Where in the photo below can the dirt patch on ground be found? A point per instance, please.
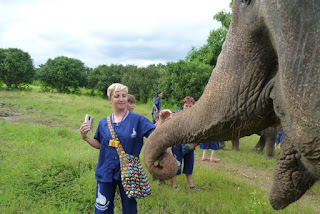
(253, 176)
(9, 112)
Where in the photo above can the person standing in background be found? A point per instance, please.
(180, 155)
(131, 102)
(156, 105)
(279, 139)
(213, 146)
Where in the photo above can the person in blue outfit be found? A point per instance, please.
(279, 138)
(177, 151)
(130, 128)
(213, 146)
(156, 105)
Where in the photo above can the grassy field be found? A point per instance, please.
(45, 167)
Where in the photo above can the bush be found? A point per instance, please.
(16, 67)
(103, 76)
(142, 82)
(63, 74)
(182, 78)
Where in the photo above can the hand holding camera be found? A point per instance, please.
(86, 126)
(89, 120)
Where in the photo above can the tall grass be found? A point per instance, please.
(45, 167)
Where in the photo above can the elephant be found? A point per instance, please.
(267, 140)
(235, 144)
(266, 74)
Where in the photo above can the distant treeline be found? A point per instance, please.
(67, 75)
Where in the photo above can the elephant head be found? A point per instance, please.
(267, 73)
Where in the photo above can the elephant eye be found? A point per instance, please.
(245, 2)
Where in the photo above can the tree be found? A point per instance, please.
(103, 76)
(209, 52)
(182, 78)
(64, 74)
(142, 82)
(95, 76)
(16, 67)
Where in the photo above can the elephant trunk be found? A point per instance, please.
(291, 179)
(157, 154)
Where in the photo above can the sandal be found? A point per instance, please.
(195, 188)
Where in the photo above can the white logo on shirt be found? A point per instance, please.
(134, 133)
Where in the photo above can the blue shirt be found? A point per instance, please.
(157, 103)
(177, 111)
(130, 133)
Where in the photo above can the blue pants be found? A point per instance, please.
(213, 145)
(105, 193)
(188, 160)
(279, 137)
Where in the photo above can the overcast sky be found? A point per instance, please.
(139, 32)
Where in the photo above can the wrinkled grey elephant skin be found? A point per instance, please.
(267, 74)
(267, 140)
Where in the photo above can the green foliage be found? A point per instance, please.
(63, 74)
(189, 77)
(142, 82)
(182, 78)
(103, 76)
(224, 18)
(16, 67)
(210, 51)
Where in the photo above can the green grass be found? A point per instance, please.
(45, 167)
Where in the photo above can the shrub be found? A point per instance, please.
(63, 74)
(16, 67)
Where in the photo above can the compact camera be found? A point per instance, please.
(89, 120)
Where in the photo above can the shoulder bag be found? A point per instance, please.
(133, 177)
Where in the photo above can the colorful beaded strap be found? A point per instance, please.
(120, 149)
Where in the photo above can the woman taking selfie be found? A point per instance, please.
(130, 128)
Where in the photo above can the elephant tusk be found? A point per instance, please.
(156, 163)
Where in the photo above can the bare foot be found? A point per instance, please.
(214, 160)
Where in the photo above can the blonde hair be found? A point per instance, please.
(114, 88)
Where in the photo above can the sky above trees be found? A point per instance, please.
(100, 32)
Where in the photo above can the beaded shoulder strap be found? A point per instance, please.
(113, 134)
(119, 148)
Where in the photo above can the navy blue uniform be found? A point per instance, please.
(130, 133)
(157, 103)
(213, 145)
(188, 159)
(279, 137)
